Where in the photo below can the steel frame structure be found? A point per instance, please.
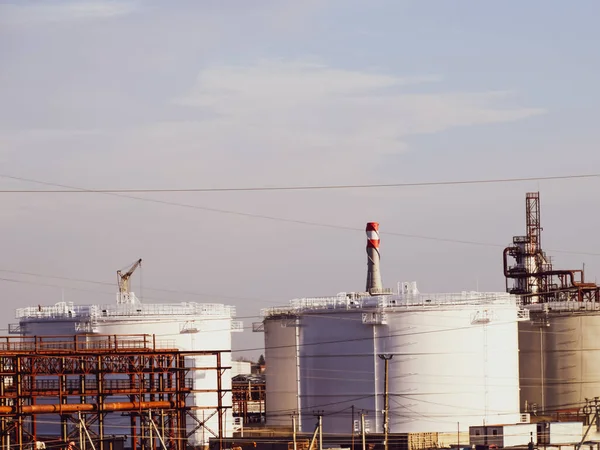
(82, 379)
(249, 399)
(532, 274)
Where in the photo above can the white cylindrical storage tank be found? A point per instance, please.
(281, 373)
(454, 360)
(337, 370)
(560, 357)
(183, 326)
(453, 364)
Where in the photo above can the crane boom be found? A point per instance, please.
(123, 280)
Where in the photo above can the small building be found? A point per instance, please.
(559, 433)
(500, 436)
(240, 368)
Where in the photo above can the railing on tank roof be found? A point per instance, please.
(67, 310)
(458, 298)
(340, 301)
(61, 309)
(564, 306)
(166, 309)
(277, 311)
(391, 301)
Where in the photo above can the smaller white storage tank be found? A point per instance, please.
(185, 326)
(281, 373)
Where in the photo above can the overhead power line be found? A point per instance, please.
(105, 283)
(72, 190)
(287, 220)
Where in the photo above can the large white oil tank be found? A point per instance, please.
(454, 360)
(185, 326)
(559, 356)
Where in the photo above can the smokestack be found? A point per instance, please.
(373, 275)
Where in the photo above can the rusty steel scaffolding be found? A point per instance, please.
(249, 398)
(83, 379)
(532, 276)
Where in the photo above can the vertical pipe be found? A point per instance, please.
(298, 377)
(19, 401)
(542, 371)
(162, 422)
(62, 395)
(220, 399)
(33, 393)
(143, 432)
(19, 430)
(374, 284)
(100, 399)
(386, 403)
(82, 390)
(3, 420)
(180, 396)
(133, 430)
(352, 445)
(151, 376)
(133, 420)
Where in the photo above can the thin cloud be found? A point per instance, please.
(297, 121)
(43, 12)
(309, 118)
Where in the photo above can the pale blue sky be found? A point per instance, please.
(225, 94)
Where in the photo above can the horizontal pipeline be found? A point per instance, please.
(85, 407)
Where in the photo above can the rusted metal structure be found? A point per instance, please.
(82, 380)
(532, 275)
(249, 398)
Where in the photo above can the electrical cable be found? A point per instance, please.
(70, 189)
(105, 283)
(292, 221)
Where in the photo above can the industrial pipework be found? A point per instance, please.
(532, 273)
(94, 380)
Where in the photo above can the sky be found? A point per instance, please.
(213, 94)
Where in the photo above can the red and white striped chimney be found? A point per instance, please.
(373, 274)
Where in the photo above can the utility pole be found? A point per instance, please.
(362, 430)
(150, 430)
(352, 447)
(594, 410)
(158, 434)
(386, 401)
(320, 431)
(81, 441)
(294, 430)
